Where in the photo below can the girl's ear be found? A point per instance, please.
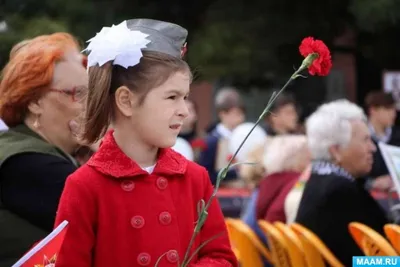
(124, 100)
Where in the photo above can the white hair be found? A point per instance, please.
(330, 125)
(284, 152)
(256, 138)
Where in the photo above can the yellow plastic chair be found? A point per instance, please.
(296, 251)
(234, 249)
(392, 232)
(315, 251)
(237, 253)
(247, 243)
(277, 243)
(370, 241)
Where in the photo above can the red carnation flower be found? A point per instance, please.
(323, 63)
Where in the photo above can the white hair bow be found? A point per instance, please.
(117, 43)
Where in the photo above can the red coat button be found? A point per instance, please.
(127, 185)
(172, 256)
(165, 218)
(137, 222)
(162, 183)
(144, 259)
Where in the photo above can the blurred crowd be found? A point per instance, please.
(321, 173)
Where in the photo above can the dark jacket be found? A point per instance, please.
(32, 177)
(329, 203)
(209, 155)
(379, 166)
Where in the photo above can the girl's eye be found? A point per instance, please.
(186, 97)
(172, 97)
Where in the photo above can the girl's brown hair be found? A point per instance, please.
(152, 71)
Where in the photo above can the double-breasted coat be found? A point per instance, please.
(121, 216)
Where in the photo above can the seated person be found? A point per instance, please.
(284, 162)
(41, 95)
(252, 174)
(334, 195)
(231, 113)
(283, 117)
(381, 109)
(293, 198)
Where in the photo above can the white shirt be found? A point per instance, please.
(3, 126)
(149, 169)
(223, 131)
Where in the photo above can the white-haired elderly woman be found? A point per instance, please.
(334, 195)
(284, 161)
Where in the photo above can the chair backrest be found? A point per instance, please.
(392, 232)
(251, 250)
(296, 251)
(234, 249)
(315, 251)
(277, 243)
(236, 252)
(370, 241)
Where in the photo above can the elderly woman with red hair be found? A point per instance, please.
(41, 98)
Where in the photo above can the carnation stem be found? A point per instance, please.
(222, 174)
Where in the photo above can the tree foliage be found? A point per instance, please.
(246, 40)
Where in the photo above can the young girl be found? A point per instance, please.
(136, 199)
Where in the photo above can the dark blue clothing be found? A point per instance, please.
(379, 166)
(249, 217)
(209, 155)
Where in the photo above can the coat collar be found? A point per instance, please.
(26, 131)
(110, 160)
(323, 167)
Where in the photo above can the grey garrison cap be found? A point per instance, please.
(165, 37)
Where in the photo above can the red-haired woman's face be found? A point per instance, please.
(64, 102)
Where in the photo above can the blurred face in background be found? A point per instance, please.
(232, 117)
(190, 121)
(385, 116)
(285, 118)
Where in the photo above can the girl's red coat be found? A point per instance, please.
(121, 216)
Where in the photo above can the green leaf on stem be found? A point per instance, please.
(299, 75)
(202, 219)
(221, 176)
(243, 163)
(185, 263)
(200, 207)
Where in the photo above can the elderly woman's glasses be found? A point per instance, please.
(76, 93)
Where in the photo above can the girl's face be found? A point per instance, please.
(159, 119)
